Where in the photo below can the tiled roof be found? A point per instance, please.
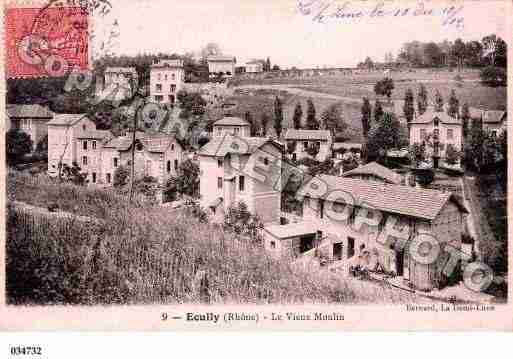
(231, 121)
(292, 229)
(404, 200)
(375, 169)
(346, 145)
(221, 58)
(220, 146)
(121, 70)
(318, 135)
(66, 119)
(123, 143)
(152, 143)
(95, 134)
(429, 116)
(493, 116)
(168, 63)
(29, 111)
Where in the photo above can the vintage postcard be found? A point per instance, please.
(255, 165)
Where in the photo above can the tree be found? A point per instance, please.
(417, 153)
(473, 53)
(265, 122)
(432, 55)
(18, 144)
(239, 220)
(267, 66)
(422, 101)
(454, 105)
(378, 111)
(187, 179)
(291, 147)
(368, 63)
(276, 67)
(332, 119)
(254, 128)
(465, 118)
(495, 49)
(459, 52)
(408, 107)
(278, 116)
(366, 117)
(493, 76)
(383, 137)
(439, 102)
(311, 120)
(384, 87)
(452, 156)
(298, 116)
(121, 175)
(210, 49)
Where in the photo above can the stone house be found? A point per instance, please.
(89, 147)
(230, 125)
(332, 211)
(439, 130)
(63, 132)
(221, 65)
(31, 119)
(306, 138)
(255, 66)
(247, 169)
(166, 80)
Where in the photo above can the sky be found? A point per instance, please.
(250, 29)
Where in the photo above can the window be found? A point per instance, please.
(273, 244)
(219, 163)
(107, 177)
(172, 147)
(159, 77)
(176, 165)
(436, 134)
(168, 166)
(158, 87)
(173, 76)
(84, 144)
(219, 132)
(423, 134)
(115, 162)
(159, 98)
(94, 177)
(129, 163)
(165, 77)
(318, 144)
(436, 122)
(305, 144)
(241, 183)
(236, 130)
(494, 133)
(266, 161)
(84, 160)
(172, 88)
(94, 145)
(450, 134)
(321, 209)
(84, 127)
(219, 182)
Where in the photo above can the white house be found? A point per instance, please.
(306, 138)
(247, 169)
(230, 125)
(119, 82)
(495, 121)
(221, 65)
(31, 119)
(166, 80)
(255, 66)
(439, 130)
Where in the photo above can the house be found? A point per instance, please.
(439, 131)
(221, 65)
(166, 80)
(359, 222)
(495, 121)
(255, 66)
(63, 132)
(119, 82)
(75, 139)
(303, 139)
(373, 171)
(31, 119)
(233, 126)
(247, 169)
(156, 155)
(340, 148)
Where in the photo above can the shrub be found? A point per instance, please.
(493, 76)
(18, 144)
(121, 175)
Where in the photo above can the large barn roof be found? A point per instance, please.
(375, 169)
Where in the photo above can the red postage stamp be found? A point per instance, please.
(46, 41)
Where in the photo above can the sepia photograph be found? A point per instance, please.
(261, 153)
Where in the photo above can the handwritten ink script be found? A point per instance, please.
(324, 11)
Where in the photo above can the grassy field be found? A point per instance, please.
(148, 255)
(360, 85)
